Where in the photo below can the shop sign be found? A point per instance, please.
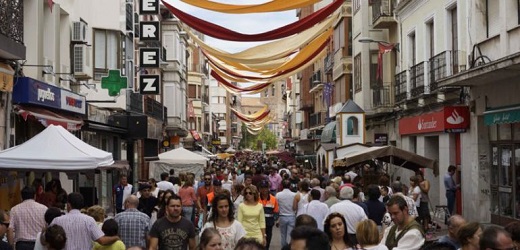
(215, 141)
(380, 139)
(195, 135)
(451, 119)
(32, 91)
(73, 102)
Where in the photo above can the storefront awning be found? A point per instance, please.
(502, 115)
(329, 132)
(47, 117)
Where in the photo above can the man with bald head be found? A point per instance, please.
(133, 224)
(454, 223)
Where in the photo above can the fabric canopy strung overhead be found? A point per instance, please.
(238, 77)
(251, 118)
(271, 6)
(220, 32)
(278, 49)
(235, 89)
(303, 55)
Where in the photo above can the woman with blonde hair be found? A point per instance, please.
(251, 215)
(98, 213)
(367, 236)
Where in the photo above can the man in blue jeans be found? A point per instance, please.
(451, 187)
(287, 216)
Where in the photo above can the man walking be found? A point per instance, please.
(317, 209)
(81, 229)
(172, 231)
(451, 187)
(133, 224)
(352, 212)
(27, 220)
(121, 191)
(286, 220)
(406, 233)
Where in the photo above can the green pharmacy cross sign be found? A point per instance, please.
(114, 82)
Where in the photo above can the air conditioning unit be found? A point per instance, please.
(79, 31)
(82, 66)
(349, 68)
(346, 11)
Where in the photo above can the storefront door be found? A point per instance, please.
(505, 183)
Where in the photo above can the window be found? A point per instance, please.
(374, 81)
(352, 126)
(357, 5)
(493, 17)
(266, 92)
(357, 73)
(412, 49)
(431, 39)
(107, 52)
(349, 25)
(272, 90)
(454, 40)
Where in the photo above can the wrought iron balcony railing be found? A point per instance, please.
(382, 8)
(154, 109)
(417, 79)
(445, 64)
(381, 96)
(400, 86)
(316, 119)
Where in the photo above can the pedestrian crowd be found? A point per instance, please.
(236, 203)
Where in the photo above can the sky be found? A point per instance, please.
(243, 23)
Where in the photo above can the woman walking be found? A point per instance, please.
(187, 194)
(336, 229)
(302, 198)
(223, 219)
(251, 215)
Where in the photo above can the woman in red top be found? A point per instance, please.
(187, 194)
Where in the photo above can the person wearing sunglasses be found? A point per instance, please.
(4, 225)
(251, 215)
(496, 238)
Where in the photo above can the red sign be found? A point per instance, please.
(449, 119)
(195, 135)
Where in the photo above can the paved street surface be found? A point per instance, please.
(275, 241)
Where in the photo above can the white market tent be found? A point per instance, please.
(54, 149)
(180, 159)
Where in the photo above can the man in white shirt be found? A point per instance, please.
(315, 184)
(406, 233)
(352, 212)
(287, 217)
(164, 184)
(317, 209)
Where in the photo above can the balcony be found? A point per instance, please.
(400, 87)
(382, 96)
(329, 63)
(315, 82)
(153, 109)
(11, 29)
(417, 79)
(316, 119)
(383, 14)
(136, 102)
(445, 64)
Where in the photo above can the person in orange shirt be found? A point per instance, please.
(217, 188)
(271, 210)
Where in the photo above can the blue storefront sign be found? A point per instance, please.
(31, 91)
